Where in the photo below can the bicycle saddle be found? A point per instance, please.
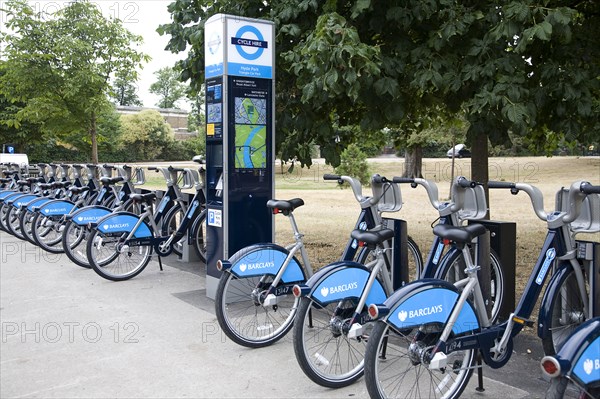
(372, 237)
(148, 198)
(110, 180)
(285, 206)
(459, 234)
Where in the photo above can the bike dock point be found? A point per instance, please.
(239, 71)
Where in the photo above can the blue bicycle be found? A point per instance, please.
(428, 333)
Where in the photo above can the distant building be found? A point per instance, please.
(176, 118)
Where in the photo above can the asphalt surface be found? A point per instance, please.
(67, 333)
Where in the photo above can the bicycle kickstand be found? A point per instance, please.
(480, 387)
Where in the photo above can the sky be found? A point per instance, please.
(141, 17)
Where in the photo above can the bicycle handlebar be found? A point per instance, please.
(466, 183)
(354, 184)
(378, 179)
(588, 188)
(430, 187)
(577, 192)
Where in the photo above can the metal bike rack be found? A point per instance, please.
(503, 240)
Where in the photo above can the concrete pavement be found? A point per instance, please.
(66, 332)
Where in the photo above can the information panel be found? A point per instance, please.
(239, 70)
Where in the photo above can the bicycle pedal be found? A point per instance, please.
(270, 300)
(355, 331)
(525, 322)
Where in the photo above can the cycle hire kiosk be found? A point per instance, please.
(239, 71)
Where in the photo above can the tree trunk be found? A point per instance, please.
(479, 164)
(413, 162)
(94, 138)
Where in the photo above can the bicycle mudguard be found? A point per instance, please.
(545, 315)
(342, 280)
(261, 259)
(36, 203)
(22, 200)
(4, 194)
(89, 214)
(11, 195)
(580, 354)
(427, 301)
(56, 208)
(123, 222)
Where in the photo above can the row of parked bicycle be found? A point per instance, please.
(414, 328)
(97, 216)
(425, 338)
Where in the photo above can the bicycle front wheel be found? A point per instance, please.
(566, 313)
(396, 364)
(415, 260)
(112, 259)
(199, 236)
(242, 316)
(323, 350)
(452, 269)
(170, 224)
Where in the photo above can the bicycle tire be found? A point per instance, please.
(47, 233)
(415, 259)
(199, 236)
(3, 210)
(247, 322)
(25, 222)
(451, 269)
(170, 223)
(111, 262)
(327, 357)
(567, 313)
(74, 242)
(392, 363)
(562, 387)
(12, 222)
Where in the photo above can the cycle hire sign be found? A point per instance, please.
(243, 48)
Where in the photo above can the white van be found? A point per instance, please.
(21, 159)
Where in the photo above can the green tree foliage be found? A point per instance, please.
(354, 163)
(526, 66)
(167, 87)
(60, 66)
(145, 134)
(124, 92)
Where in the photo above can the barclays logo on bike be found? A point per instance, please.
(410, 314)
(89, 218)
(338, 288)
(115, 226)
(254, 266)
(550, 255)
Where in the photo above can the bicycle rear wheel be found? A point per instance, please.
(113, 260)
(323, 350)
(566, 312)
(47, 233)
(74, 242)
(242, 316)
(25, 222)
(562, 387)
(452, 269)
(396, 364)
(13, 222)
